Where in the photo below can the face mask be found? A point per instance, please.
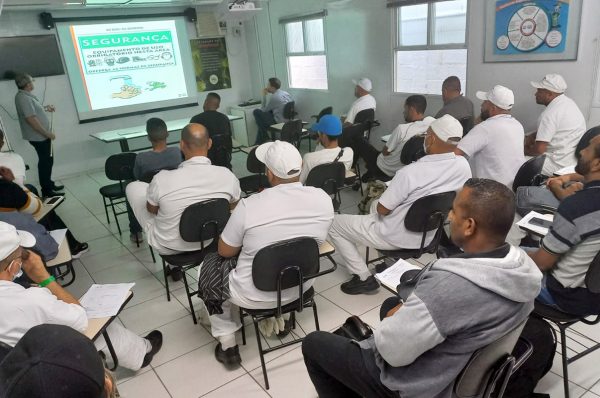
(18, 274)
(424, 148)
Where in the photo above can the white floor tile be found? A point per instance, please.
(356, 304)
(145, 289)
(143, 385)
(589, 394)
(244, 386)
(97, 262)
(330, 316)
(553, 384)
(180, 337)
(152, 314)
(121, 272)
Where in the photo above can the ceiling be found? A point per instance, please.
(78, 4)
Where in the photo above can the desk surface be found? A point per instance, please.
(47, 208)
(140, 131)
(97, 325)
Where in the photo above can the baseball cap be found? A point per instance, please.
(500, 96)
(282, 158)
(552, 82)
(447, 127)
(52, 361)
(11, 239)
(328, 124)
(363, 82)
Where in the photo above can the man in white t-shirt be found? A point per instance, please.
(439, 171)
(494, 147)
(286, 210)
(23, 308)
(385, 163)
(560, 126)
(158, 206)
(329, 129)
(364, 99)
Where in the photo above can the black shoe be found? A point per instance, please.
(156, 339)
(52, 193)
(58, 187)
(287, 328)
(79, 249)
(356, 286)
(176, 274)
(229, 357)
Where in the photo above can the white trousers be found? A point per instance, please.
(347, 232)
(129, 347)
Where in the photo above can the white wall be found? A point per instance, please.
(75, 151)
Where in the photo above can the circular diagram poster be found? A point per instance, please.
(531, 26)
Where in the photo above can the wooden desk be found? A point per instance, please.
(47, 208)
(123, 135)
(63, 258)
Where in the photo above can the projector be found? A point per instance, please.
(241, 5)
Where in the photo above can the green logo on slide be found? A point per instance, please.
(124, 39)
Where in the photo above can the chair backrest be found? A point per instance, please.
(204, 220)
(119, 167)
(349, 132)
(253, 164)
(327, 176)
(412, 149)
(325, 111)
(220, 152)
(285, 264)
(289, 110)
(423, 214)
(366, 115)
(148, 176)
(487, 366)
(528, 171)
(292, 131)
(467, 124)
(592, 276)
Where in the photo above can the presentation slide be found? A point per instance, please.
(118, 68)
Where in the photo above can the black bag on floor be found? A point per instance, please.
(354, 328)
(541, 335)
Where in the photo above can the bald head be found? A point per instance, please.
(195, 140)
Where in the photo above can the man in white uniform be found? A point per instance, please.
(560, 126)
(439, 171)
(329, 129)
(364, 99)
(286, 210)
(24, 308)
(158, 206)
(494, 147)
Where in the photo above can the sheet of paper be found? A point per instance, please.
(565, 170)
(58, 235)
(526, 224)
(386, 138)
(391, 276)
(105, 300)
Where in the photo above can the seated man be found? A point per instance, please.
(439, 171)
(458, 305)
(287, 210)
(271, 112)
(387, 162)
(364, 100)
(23, 308)
(12, 161)
(560, 126)
(573, 240)
(218, 126)
(455, 104)
(329, 128)
(158, 206)
(45, 245)
(494, 147)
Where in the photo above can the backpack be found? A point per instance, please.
(543, 339)
(373, 192)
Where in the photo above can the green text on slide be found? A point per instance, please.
(124, 39)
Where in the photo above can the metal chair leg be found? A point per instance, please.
(189, 297)
(314, 306)
(565, 363)
(243, 327)
(152, 254)
(166, 279)
(106, 209)
(111, 350)
(260, 351)
(112, 205)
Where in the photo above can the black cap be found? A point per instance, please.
(52, 361)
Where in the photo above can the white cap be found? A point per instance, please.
(11, 239)
(364, 83)
(447, 127)
(552, 82)
(282, 158)
(500, 96)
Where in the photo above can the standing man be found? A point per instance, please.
(456, 104)
(35, 128)
(218, 128)
(364, 99)
(560, 126)
(495, 146)
(271, 112)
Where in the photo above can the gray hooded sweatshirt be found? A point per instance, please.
(460, 305)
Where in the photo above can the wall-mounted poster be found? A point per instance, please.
(211, 64)
(532, 30)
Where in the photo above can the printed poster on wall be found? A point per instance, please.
(524, 30)
(211, 64)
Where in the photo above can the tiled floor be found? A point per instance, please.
(185, 367)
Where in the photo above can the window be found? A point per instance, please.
(430, 45)
(305, 51)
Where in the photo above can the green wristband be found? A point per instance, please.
(48, 281)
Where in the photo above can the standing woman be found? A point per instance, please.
(35, 128)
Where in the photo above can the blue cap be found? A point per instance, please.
(328, 124)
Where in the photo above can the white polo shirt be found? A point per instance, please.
(282, 212)
(173, 191)
(429, 175)
(322, 155)
(495, 148)
(15, 163)
(23, 309)
(391, 163)
(360, 104)
(561, 125)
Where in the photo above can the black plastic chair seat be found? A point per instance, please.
(188, 258)
(407, 253)
(113, 191)
(548, 312)
(254, 182)
(308, 295)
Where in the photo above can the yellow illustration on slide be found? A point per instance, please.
(128, 89)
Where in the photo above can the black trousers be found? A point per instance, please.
(263, 121)
(368, 152)
(53, 221)
(45, 163)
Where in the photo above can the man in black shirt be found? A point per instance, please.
(219, 130)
